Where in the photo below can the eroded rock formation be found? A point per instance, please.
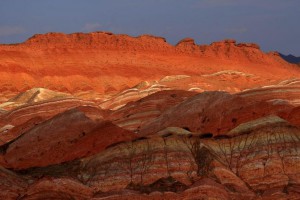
(106, 63)
(104, 116)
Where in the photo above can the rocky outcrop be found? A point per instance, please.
(260, 163)
(185, 146)
(62, 188)
(45, 110)
(186, 42)
(219, 112)
(228, 80)
(187, 45)
(33, 96)
(107, 63)
(67, 136)
(249, 45)
(139, 118)
(135, 114)
(102, 40)
(12, 186)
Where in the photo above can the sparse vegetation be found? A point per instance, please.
(201, 155)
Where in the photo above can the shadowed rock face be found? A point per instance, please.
(218, 127)
(12, 186)
(213, 112)
(75, 135)
(259, 163)
(184, 146)
(61, 188)
(135, 114)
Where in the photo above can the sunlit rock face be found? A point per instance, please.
(107, 63)
(137, 118)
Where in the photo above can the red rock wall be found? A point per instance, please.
(105, 62)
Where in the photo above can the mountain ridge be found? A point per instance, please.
(291, 58)
(102, 116)
(105, 62)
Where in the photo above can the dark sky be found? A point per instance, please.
(274, 24)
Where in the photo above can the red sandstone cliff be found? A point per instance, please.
(105, 62)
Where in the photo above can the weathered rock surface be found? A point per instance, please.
(219, 112)
(62, 188)
(174, 154)
(12, 186)
(67, 136)
(32, 96)
(135, 114)
(106, 63)
(245, 166)
(120, 117)
(227, 80)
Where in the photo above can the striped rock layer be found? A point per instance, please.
(107, 63)
(104, 116)
(172, 144)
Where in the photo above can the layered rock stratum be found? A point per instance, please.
(105, 116)
(107, 63)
